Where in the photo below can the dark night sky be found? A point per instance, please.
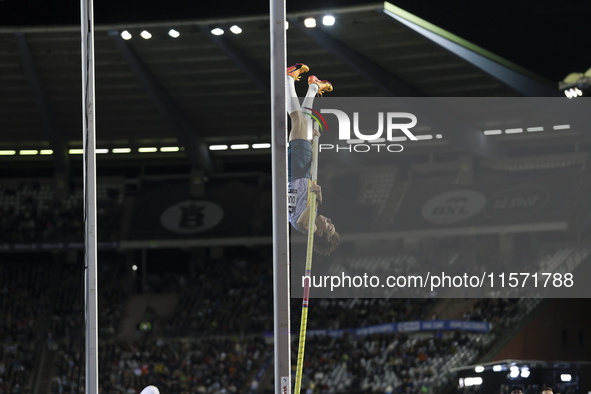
(549, 37)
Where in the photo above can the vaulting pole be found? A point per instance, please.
(308, 274)
(281, 294)
(90, 241)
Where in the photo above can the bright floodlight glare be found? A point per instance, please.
(170, 149)
(239, 146)
(286, 25)
(493, 132)
(218, 147)
(578, 91)
(101, 151)
(121, 150)
(7, 152)
(566, 377)
(264, 145)
(479, 369)
(568, 94)
(514, 372)
(76, 151)
(472, 381)
(525, 373)
(513, 131)
(328, 20)
(561, 127)
(310, 22)
(126, 35)
(147, 149)
(497, 368)
(438, 136)
(28, 152)
(217, 31)
(134, 267)
(236, 29)
(534, 129)
(146, 35)
(173, 33)
(46, 152)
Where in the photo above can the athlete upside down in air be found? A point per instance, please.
(300, 161)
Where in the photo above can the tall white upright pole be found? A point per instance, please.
(90, 242)
(281, 294)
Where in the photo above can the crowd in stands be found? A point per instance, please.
(23, 305)
(31, 213)
(214, 342)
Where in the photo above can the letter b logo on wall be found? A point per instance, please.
(189, 217)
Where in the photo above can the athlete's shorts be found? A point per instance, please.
(299, 159)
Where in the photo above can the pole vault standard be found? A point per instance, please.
(88, 140)
(281, 296)
(307, 278)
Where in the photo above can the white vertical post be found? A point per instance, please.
(90, 244)
(281, 294)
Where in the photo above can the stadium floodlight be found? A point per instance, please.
(514, 372)
(264, 145)
(7, 152)
(121, 150)
(472, 381)
(576, 84)
(310, 23)
(218, 147)
(566, 377)
(236, 29)
(217, 31)
(126, 35)
(101, 151)
(561, 127)
(146, 35)
(497, 368)
(514, 131)
(239, 146)
(46, 152)
(28, 152)
(525, 372)
(479, 369)
(170, 149)
(173, 33)
(328, 20)
(493, 132)
(76, 151)
(149, 149)
(134, 267)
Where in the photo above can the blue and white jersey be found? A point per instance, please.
(297, 200)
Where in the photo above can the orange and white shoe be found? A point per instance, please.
(297, 69)
(323, 86)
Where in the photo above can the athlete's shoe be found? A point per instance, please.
(297, 69)
(323, 86)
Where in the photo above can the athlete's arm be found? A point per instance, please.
(304, 219)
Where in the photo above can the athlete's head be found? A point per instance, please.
(327, 239)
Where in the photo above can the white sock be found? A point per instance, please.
(309, 99)
(292, 103)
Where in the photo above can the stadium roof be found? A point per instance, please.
(199, 88)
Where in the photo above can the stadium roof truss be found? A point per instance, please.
(200, 88)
